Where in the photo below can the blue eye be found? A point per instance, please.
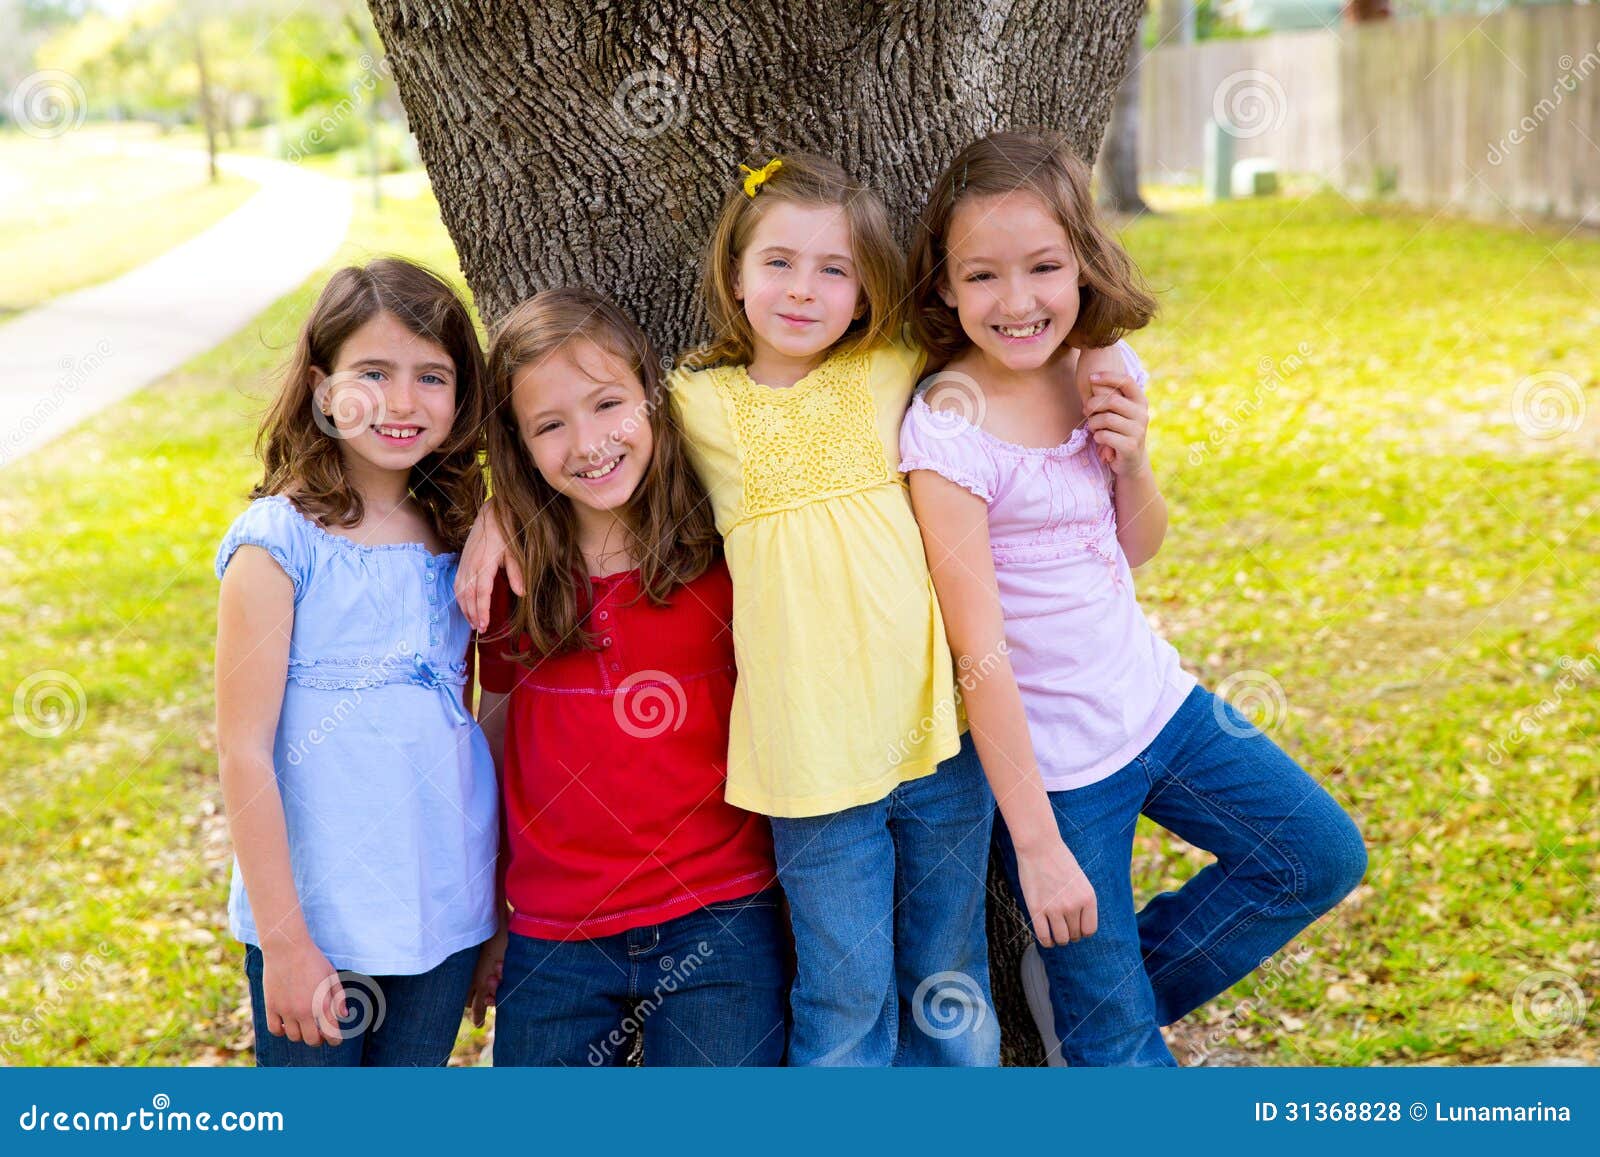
(777, 261)
(432, 378)
(372, 375)
(835, 269)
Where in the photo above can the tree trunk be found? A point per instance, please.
(208, 115)
(591, 144)
(1119, 155)
(1363, 11)
(1175, 22)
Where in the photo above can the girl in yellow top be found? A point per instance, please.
(845, 702)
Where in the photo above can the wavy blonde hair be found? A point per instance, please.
(673, 534)
(805, 179)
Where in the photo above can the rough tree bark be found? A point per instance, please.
(590, 144)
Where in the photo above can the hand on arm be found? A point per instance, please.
(255, 615)
(1118, 417)
(955, 533)
(1099, 360)
(481, 559)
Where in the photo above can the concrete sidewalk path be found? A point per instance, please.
(76, 355)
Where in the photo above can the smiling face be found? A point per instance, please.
(391, 397)
(583, 417)
(1012, 277)
(798, 281)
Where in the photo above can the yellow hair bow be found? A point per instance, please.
(755, 177)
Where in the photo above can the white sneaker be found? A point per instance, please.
(1036, 987)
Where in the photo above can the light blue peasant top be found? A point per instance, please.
(388, 785)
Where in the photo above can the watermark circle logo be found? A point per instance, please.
(48, 704)
(955, 401)
(48, 103)
(947, 1004)
(650, 703)
(1255, 696)
(363, 996)
(345, 404)
(1548, 405)
(649, 102)
(1248, 103)
(1548, 1004)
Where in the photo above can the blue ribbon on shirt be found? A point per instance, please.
(427, 676)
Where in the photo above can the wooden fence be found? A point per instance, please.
(1498, 115)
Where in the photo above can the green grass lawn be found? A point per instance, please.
(80, 209)
(1365, 538)
(114, 856)
(1362, 537)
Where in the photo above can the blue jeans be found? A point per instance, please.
(887, 901)
(394, 1021)
(706, 988)
(1286, 853)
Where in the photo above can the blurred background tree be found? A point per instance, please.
(299, 80)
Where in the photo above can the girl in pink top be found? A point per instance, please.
(1035, 495)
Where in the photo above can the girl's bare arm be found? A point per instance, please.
(255, 615)
(955, 533)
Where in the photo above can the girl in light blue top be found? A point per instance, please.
(359, 789)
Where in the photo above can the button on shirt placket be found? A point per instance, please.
(605, 622)
(432, 583)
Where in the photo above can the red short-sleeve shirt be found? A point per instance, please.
(615, 763)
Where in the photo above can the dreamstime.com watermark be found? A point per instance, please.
(373, 673)
(1248, 103)
(345, 405)
(72, 972)
(1270, 374)
(373, 73)
(364, 1002)
(48, 704)
(48, 103)
(1526, 723)
(1549, 1004)
(1573, 73)
(969, 673)
(160, 1117)
(959, 402)
(1548, 405)
(650, 703)
(1258, 700)
(1271, 976)
(637, 420)
(677, 973)
(648, 103)
(948, 1004)
(74, 373)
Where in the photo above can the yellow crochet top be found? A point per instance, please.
(845, 684)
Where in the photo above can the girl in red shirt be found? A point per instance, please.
(637, 898)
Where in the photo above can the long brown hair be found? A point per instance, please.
(298, 452)
(1113, 299)
(673, 533)
(805, 179)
